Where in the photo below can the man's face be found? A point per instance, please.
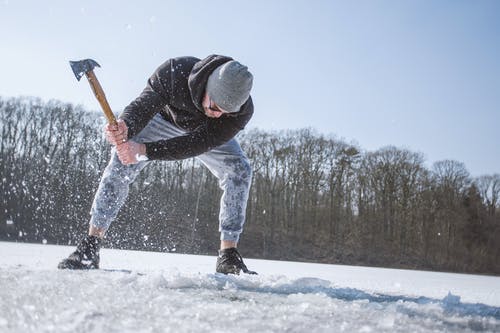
(211, 109)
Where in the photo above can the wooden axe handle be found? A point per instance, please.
(99, 94)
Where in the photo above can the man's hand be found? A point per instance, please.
(116, 134)
(131, 152)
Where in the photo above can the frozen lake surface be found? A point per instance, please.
(164, 292)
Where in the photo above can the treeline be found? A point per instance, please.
(313, 197)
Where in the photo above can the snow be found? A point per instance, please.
(164, 292)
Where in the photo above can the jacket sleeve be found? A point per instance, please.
(153, 98)
(213, 133)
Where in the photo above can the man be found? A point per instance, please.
(189, 108)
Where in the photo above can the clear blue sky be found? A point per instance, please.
(422, 75)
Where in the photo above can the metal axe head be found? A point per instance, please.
(83, 66)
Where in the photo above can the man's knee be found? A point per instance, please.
(245, 168)
(239, 171)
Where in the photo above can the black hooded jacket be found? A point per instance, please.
(176, 90)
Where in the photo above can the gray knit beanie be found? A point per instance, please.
(229, 86)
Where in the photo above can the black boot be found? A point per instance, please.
(86, 255)
(230, 261)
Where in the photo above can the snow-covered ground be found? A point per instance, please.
(163, 292)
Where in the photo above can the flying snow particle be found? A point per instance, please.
(128, 26)
(44, 241)
(9, 222)
(152, 19)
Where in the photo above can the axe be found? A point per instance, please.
(86, 67)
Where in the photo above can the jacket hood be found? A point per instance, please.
(198, 77)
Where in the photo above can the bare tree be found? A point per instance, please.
(313, 197)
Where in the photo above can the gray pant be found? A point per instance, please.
(227, 162)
